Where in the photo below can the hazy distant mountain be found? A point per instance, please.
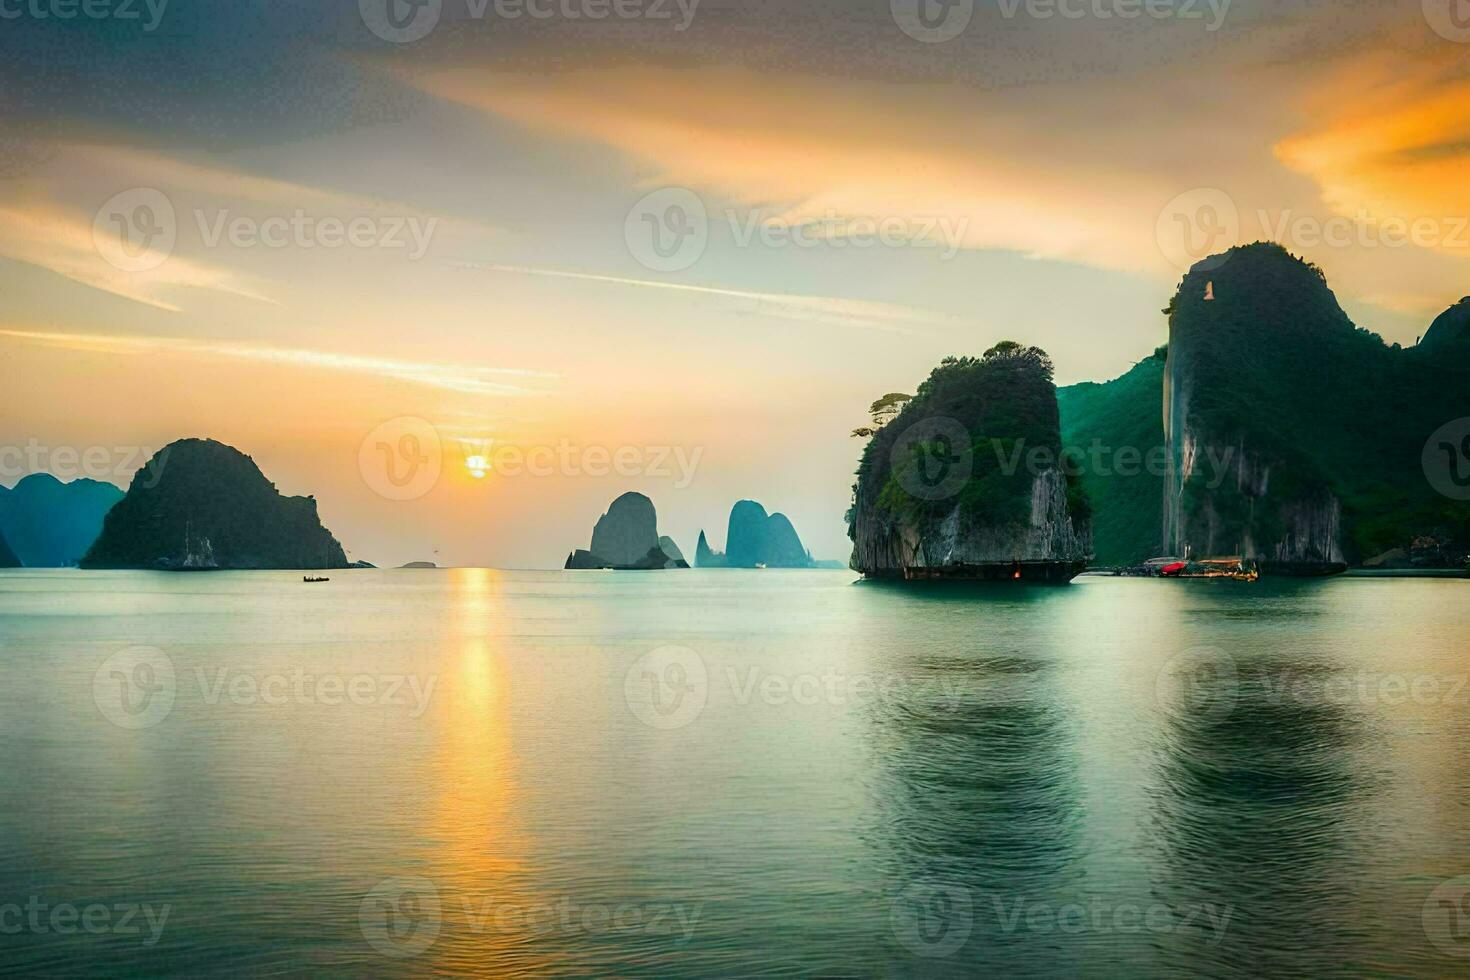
(50, 524)
(7, 557)
(707, 557)
(753, 537)
(211, 507)
(626, 537)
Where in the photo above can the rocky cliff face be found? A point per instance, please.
(952, 547)
(51, 524)
(963, 483)
(627, 537)
(200, 504)
(1242, 479)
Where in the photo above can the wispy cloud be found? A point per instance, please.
(61, 242)
(466, 379)
(791, 306)
(47, 221)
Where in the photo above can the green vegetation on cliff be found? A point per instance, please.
(1114, 434)
(1005, 401)
(1315, 408)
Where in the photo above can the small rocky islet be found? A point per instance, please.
(200, 505)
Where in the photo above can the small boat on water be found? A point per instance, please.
(315, 578)
(1239, 569)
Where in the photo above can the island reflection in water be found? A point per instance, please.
(720, 772)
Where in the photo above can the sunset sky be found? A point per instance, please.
(1032, 177)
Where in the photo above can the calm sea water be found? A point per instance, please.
(717, 773)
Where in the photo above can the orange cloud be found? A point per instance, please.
(1402, 152)
(805, 149)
